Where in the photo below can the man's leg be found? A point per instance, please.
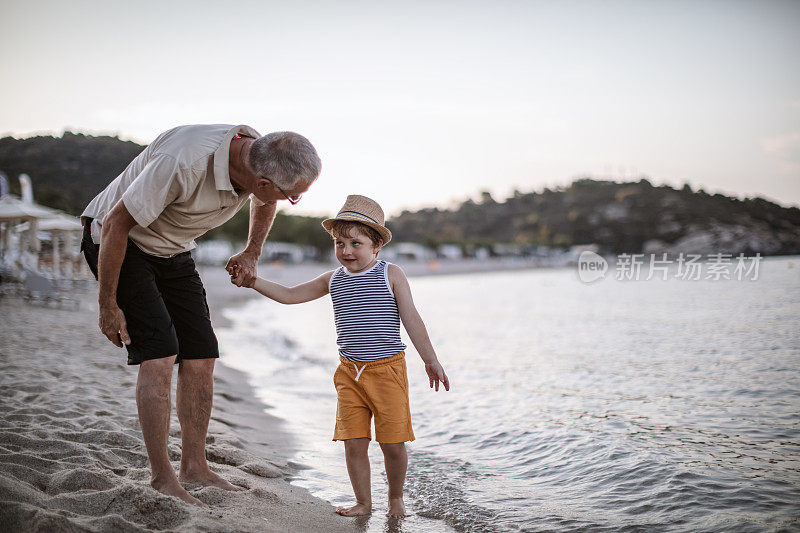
(357, 457)
(155, 406)
(195, 397)
(182, 291)
(149, 324)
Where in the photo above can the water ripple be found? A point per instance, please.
(612, 407)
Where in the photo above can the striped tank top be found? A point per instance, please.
(365, 312)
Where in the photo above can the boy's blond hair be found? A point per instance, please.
(343, 228)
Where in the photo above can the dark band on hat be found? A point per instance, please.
(357, 215)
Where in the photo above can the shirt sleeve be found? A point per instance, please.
(157, 185)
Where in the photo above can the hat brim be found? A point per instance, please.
(385, 234)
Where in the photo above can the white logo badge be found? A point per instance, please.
(591, 267)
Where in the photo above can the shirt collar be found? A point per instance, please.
(222, 177)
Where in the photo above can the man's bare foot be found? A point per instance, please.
(397, 509)
(175, 489)
(358, 509)
(208, 479)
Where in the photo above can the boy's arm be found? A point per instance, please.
(305, 292)
(416, 327)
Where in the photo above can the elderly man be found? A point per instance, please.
(137, 235)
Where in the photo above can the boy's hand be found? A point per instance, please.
(235, 271)
(436, 374)
(232, 272)
(243, 269)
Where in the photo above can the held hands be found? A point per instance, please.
(436, 374)
(112, 324)
(235, 272)
(242, 269)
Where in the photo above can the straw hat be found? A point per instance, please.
(359, 208)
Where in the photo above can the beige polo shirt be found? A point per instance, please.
(177, 189)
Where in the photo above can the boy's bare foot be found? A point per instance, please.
(358, 509)
(209, 479)
(174, 489)
(397, 509)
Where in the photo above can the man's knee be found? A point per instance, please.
(155, 377)
(197, 368)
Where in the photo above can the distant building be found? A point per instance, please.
(475, 252)
(575, 251)
(507, 250)
(449, 251)
(481, 253)
(578, 248)
(213, 252)
(408, 251)
(540, 251)
(287, 252)
(218, 252)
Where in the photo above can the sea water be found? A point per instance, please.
(670, 405)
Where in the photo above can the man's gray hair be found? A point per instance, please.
(286, 158)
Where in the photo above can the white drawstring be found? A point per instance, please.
(358, 372)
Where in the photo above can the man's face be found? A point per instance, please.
(267, 191)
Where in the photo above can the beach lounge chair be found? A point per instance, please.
(9, 284)
(41, 290)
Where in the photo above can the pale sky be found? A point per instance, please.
(419, 104)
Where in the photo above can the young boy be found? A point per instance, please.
(370, 298)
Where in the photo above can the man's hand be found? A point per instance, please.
(436, 374)
(117, 225)
(113, 325)
(234, 273)
(243, 269)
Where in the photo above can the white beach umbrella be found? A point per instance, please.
(12, 208)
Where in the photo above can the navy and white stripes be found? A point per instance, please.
(365, 312)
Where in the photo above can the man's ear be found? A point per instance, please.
(262, 183)
(378, 246)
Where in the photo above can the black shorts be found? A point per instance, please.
(164, 303)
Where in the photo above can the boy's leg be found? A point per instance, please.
(357, 457)
(396, 460)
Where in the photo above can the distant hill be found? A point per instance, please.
(67, 171)
(632, 217)
(620, 217)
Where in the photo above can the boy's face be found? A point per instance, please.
(355, 252)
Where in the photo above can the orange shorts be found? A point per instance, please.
(376, 388)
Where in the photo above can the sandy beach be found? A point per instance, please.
(71, 452)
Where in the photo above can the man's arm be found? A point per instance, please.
(113, 243)
(261, 218)
(416, 327)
